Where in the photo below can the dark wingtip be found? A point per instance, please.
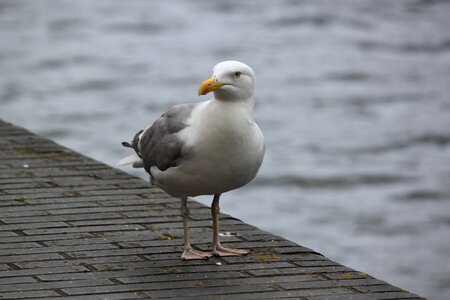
(126, 144)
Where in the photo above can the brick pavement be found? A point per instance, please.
(74, 228)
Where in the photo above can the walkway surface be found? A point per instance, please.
(74, 228)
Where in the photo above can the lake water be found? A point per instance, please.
(353, 98)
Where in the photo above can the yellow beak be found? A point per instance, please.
(209, 86)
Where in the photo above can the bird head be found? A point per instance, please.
(231, 80)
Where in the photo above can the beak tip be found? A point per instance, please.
(208, 86)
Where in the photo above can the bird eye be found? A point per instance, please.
(237, 74)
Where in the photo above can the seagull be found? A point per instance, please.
(205, 148)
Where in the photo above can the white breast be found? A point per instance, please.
(226, 150)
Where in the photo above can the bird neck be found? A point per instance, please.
(248, 104)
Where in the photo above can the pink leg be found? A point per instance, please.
(218, 249)
(188, 252)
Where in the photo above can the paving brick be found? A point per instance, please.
(78, 199)
(170, 276)
(126, 252)
(25, 213)
(272, 256)
(369, 296)
(123, 220)
(129, 236)
(29, 294)
(115, 192)
(377, 288)
(98, 209)
(298, 270)
(33, 226)
(191, 266)
(20, 185)
(142, 275)
(55, 249)
(24, 245)
(105, 296)
(4, 203)
(17, 180)
(204, 291)
(45, 237)
(53, 285)
(49, 207)
(294, 294)
(7, 234)
(63, 218)
(342, 297)
(46, 162)
(42, 195)
(123, 227)
(92, 261)
(30, 257)
(163, 211)
(42, 270)
(35, 191)
(394, 295)
(14, 280)
(331, 283)
(167, 289)
(312, 261)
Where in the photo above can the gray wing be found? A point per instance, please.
(159, 146)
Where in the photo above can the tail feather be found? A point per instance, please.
(134, 160)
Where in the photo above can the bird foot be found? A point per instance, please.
(190, 254)
(223, 251)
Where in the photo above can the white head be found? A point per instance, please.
(231, 81)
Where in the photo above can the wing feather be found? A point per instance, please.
(159, 145)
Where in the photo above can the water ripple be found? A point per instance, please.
(372, 45)
(136, 28)
(55, 63)
(311, 20)
(430, 139)
(65, 24)
(424, 195)
(332, 182)
(98, 84)
(350, 76)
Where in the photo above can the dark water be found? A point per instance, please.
(353, 98)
